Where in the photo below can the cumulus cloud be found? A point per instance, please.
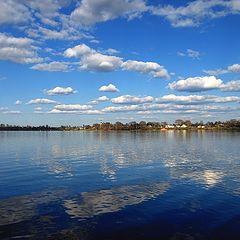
(90, 59)
(195, 12)
(108, 88)
(100, 99)
(72, 107)
(41, 101)
(60, 91)
(78, 51)
(196, 99)
(103, 99)
(128, 99)
(234, 68)
(196, 84)
(51, 67)
(153, 68)
(18, 50)
(18, 102)
(232, 86)
(90, 12)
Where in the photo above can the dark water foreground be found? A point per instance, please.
(120, 185)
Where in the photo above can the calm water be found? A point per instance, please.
(120, 185)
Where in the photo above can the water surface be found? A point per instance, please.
(120, 185)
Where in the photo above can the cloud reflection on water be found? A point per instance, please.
(90, 204)
(23, 208)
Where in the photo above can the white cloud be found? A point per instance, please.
(232, 86)
(195, 12)
(220, 71)
(100, 62)
(193, 54)
(108, 88)
(196, 84)
(19, 50)
(78, 51)
(12, 112)
(85, 112)
(63, 34)
(72, 107)
(90, 12)
(90, 59)
(216, 72)
(13, 12)
(41, 101)
(51, 67)
(51, 34)
(61, 91)
(93, 102)
(128, 99)
(153, 68)
(18, 102)
(46, 9)
(135, 107)
(234, 68)
(121, 108)
(111, 51)
(190, 53)
(93, 60)
(103, 99)
(95, 41)
(196, 99)
(206, 110)
(100, 99)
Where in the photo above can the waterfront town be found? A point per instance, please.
(179, 124)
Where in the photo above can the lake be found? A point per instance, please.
(120, 185)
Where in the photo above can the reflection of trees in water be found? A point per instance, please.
(90, 204)
(22, 208)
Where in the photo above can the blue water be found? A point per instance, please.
(120, 185)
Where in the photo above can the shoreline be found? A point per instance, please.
(123, 130)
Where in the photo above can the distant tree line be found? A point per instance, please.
(142, 125)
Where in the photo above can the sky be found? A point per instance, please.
(74, 62)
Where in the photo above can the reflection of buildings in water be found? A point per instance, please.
(90, 204)
(23, 208)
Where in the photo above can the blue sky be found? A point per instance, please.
(78, 62)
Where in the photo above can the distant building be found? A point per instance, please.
(169, 126)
